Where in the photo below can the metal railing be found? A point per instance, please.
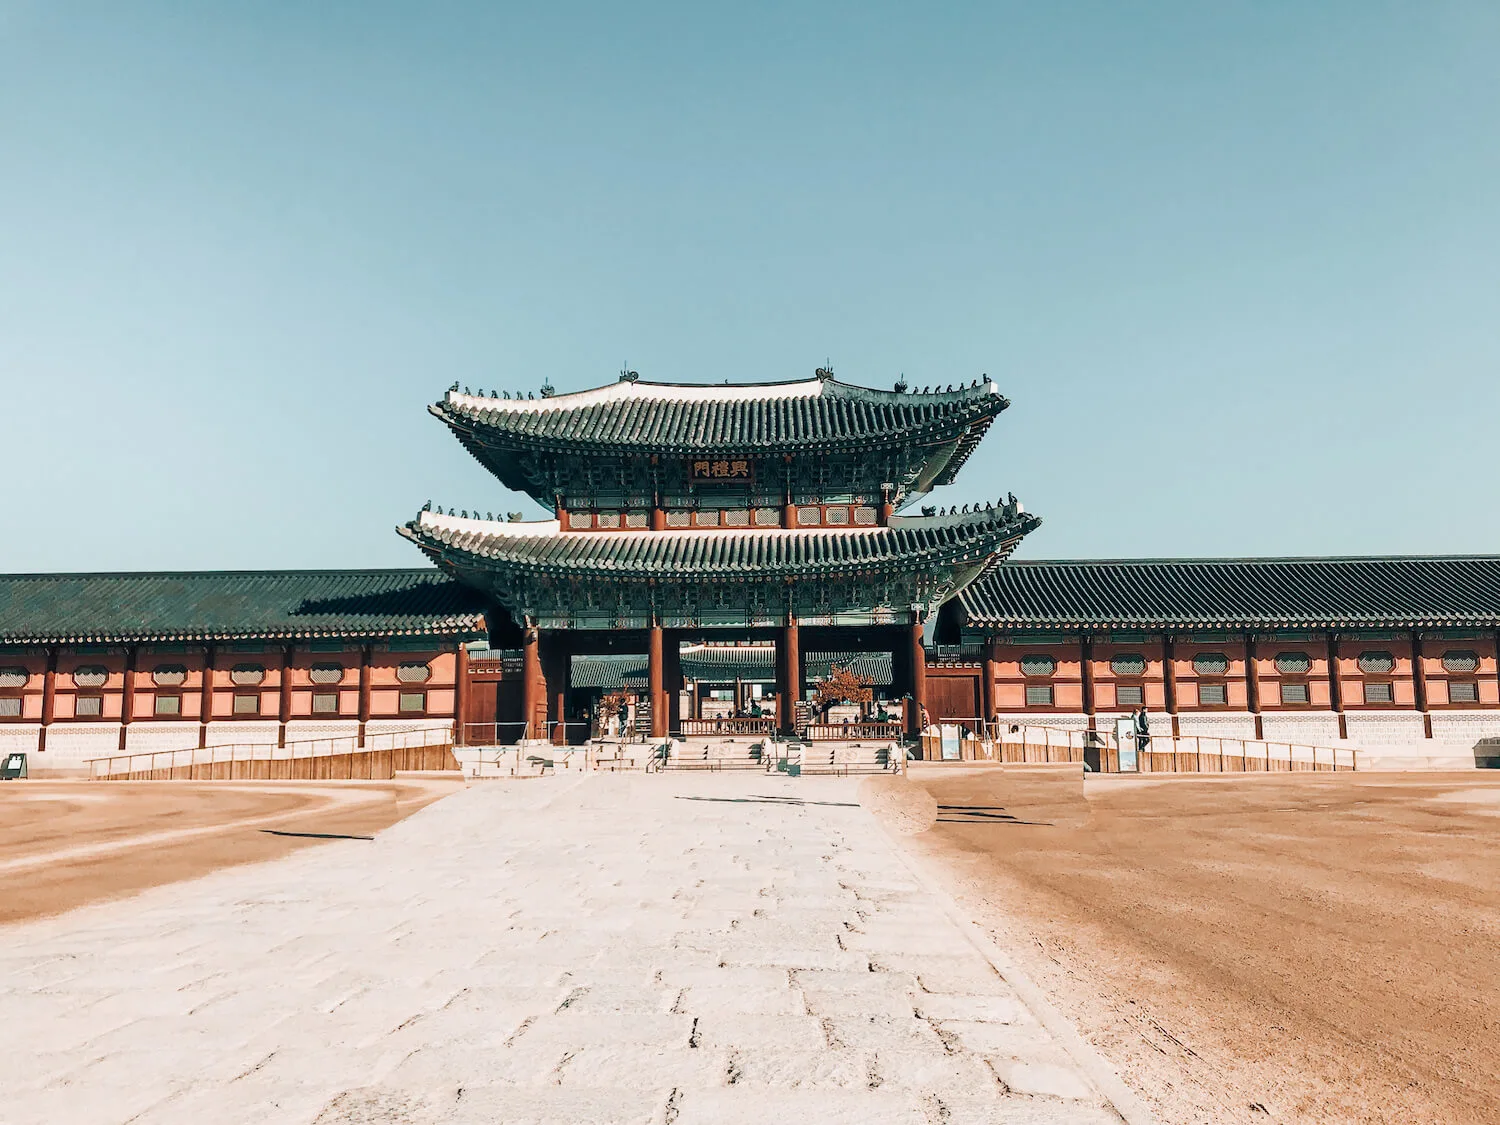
(737, 725)
(150, 761)
(854, 732)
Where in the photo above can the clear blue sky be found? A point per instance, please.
(1237, 265)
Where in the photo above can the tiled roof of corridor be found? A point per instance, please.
(1389, 592)
(227, 605)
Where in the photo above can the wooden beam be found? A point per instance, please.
(533, 686)
(284, 707)
(1335, 685)
(461, 696)
(1086, 674)
(206, 697)
(918, 675)
(1169, 679)
(654, 682)
(987, 684)
(1252, 685)
(366, 660)
(49, 697)
(1419, 683)
(127, 703)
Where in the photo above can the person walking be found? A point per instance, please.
(1142, 731)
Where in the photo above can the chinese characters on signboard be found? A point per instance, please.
(720, 470)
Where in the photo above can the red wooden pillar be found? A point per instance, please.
(887, 509)
(284, 707)
(1335, 685)
(533, 687)
(206, 698)
(1419, 683)
(461, 696)
(366, 661)
(1169, 679)
(49, 697)
(654, 682)
(918, 677)
(789, 690)
(1086, 672)
(671, 680)
(658, 518)
(127, 703)
(1252, 685)
(987, 685)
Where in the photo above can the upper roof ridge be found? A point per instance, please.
(646, 390)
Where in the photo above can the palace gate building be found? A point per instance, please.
(701, 541)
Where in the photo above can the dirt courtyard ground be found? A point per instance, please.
(67, 843)
(1312, 947)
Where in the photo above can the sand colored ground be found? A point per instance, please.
(67, 843)
(1315, 947)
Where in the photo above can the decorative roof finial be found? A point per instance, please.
(548, 390)
(901, 384)
(825, 372)
(629, 376)
(454, 387)
(427, 507)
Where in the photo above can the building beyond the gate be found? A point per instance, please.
(711, 548)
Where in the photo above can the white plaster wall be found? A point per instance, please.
(1032, 719)
(1320, 729)
(19, 736)
(144, 737)
(70, 745)
(343, 733)
(1217, 725)
(1377, 728)
(1464, 728)
(243, 734)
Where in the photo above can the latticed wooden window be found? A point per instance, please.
(1294, 693)
(635, 519)
(414, 672)
(1128, 664)
(13, 677)
(88, 706)
(809, 517)
(767, 517)
(1039, 695)
(738, 518)
(1293, 664)
(1038, 665)
(679, 519)
(325, 703)
(247, 675)
(1460, 662)
(169, 675)
(1379, 693)
(837, 517)
(609, 519)
(1376, 663)
(579, 520)
(1463, 691)
(413, 701)
(1212, 695)
(326, 672)
(708, 519)
(865, 517)
(247, 705)
(1210, 664)
(10, 707)
(168, 705)
(1129, 695)
(90, 675)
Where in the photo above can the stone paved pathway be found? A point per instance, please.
(673, 949)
